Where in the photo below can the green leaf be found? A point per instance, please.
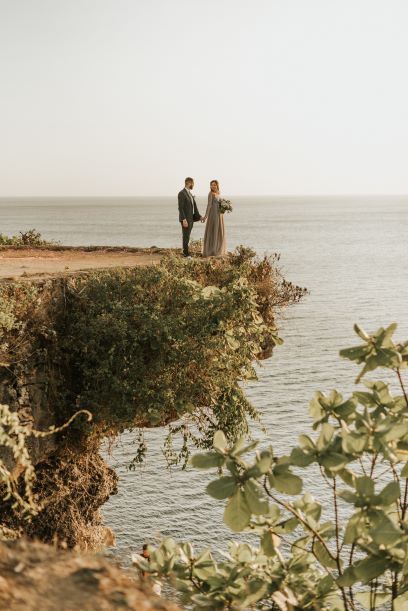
(239, 448)
(357, 353)
(299, 458)
(348, 578)
(353, 443)
(384, 531)
(404, 472)
(286, 482)
(323, 555)
(268, 543)
(389, 495)
(220, 442)
(255, 498)
(306, 443)
(207, 460)
(361, 333)
(262, 465)
(365, 486)
(237, 513)
(333, 461)
(222, 488)
(257, 590)
(370, 568)
(325, 436)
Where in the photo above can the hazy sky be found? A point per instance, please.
(127, 97)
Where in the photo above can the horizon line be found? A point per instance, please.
(199, 194)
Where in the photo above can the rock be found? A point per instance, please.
(55, 580)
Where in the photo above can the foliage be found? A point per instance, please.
(147, 346)
(306, 559)
(15, 453)
(31, 237)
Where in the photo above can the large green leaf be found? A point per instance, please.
(285, 482)
(325, 437)
(207, 460)
(353, 443)
(323, 556)
(237, 513)
(384, 531)
(255, 498)
(388, 495)
(370, 568)
(299, 458)
(348, 578)
(365, 486)
(257, 589)
(268, 543)
(222, 488)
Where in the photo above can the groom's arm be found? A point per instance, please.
(182, 211)
(196, 209)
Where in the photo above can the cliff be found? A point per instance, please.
(138, 346)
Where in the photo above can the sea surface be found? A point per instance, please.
(352, 255)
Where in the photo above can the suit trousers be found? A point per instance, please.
(186, 237)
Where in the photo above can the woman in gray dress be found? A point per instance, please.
(214, 236)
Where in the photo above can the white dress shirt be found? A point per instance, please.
(191, 196)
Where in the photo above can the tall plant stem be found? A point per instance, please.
(299, 517)
(404, 392)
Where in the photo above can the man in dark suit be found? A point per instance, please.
(188, 212)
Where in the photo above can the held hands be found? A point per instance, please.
(185, 223)
(203, 219)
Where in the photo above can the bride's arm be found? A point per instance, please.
(210, 199)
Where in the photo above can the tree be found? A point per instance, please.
(305, 559)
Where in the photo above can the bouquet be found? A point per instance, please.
(225, 205)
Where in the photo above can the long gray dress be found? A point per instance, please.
(214, 236)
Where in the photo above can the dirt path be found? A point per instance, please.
(29, 262)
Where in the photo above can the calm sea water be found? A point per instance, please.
(351, 253)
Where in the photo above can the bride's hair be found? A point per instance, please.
(217, 183)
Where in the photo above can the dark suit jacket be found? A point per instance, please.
(186, 209)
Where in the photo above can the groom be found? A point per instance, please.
(188, 212)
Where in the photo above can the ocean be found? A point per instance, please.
(352, 255)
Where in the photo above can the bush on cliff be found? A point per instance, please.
(145, 346)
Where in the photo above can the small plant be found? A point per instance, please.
(306, 557)
(31, 237)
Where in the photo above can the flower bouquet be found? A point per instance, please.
(225, 205)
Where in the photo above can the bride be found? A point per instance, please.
(214, 236)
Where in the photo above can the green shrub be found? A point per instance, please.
(306, 559)
(31, 237)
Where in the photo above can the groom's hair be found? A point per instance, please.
(188, 179)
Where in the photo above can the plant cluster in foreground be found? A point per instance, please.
(306, 556)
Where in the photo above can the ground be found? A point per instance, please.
(19, 263)
(37, 577)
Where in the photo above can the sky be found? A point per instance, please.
(127, 97)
